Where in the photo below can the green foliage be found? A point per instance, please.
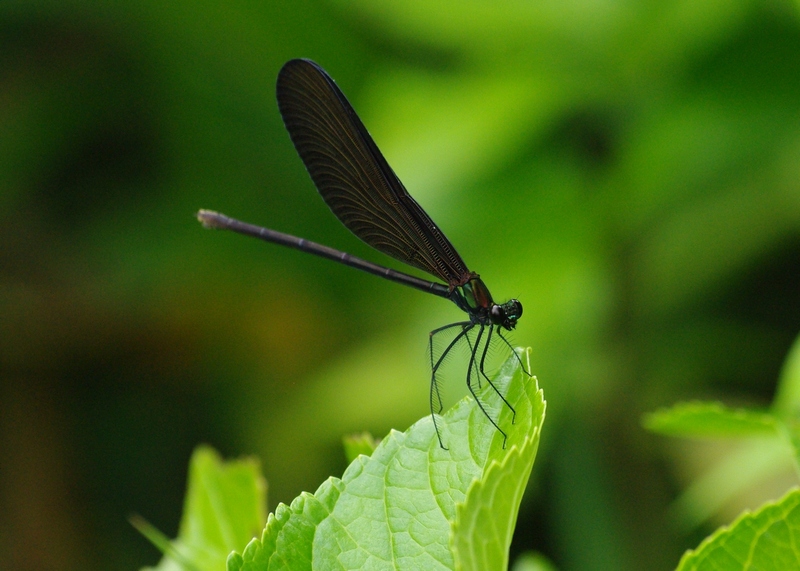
(411, 504)
(355, 444)
(768, 540)
(714, 420)
(224, 507)
(629, 170)
(485, 520)
(773, 440)
(710, 420)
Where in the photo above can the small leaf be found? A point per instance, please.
(396, 508)
(224, 508)
(355, 444)
(710, 420)
(766, 539)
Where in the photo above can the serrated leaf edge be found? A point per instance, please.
(530, 441)
(282, 513)
(727, 529)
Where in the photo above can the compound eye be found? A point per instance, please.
(517, 308)
(512, 310)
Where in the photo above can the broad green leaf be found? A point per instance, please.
(710, 420)
(224, 508)
(355, 444)
(410, 501)
(768, 539)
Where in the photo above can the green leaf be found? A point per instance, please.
(485, 520)
(411, 504)
(224, 508)
(355, 444)
(764, 453)
(767, 539)
(710, 420)
(752, 462)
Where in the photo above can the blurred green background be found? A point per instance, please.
(629, 170)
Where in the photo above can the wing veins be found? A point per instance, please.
(353, 177)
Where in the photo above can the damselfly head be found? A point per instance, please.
(506, 314)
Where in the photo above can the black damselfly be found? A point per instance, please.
(363, 192)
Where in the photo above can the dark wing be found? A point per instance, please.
(354, 179)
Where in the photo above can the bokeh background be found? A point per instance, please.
(629, 170)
